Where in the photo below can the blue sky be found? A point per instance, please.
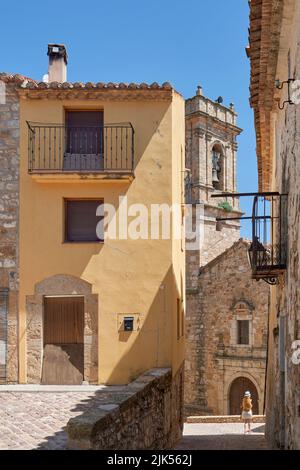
(187, 42)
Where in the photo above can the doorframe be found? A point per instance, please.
(65, 286)
(246, 376)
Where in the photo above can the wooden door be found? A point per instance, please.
(238, 387)
(63, 361)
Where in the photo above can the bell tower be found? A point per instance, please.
(211, 168)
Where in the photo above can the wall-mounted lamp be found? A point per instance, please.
(279, 85)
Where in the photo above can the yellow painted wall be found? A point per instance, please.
(141, 276)
(178, 250)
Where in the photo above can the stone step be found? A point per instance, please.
(223, 419)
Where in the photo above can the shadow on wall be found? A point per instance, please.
(152, 341)
(97, 263)
(163, 402)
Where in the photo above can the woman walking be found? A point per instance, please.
(247, 411)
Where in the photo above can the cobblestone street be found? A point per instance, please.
(36, 420)
(222, 436)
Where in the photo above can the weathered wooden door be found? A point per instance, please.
(238, 387)
(63, 360)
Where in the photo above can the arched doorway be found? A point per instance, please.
(237, 390)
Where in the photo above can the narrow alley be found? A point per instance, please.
(222, 436)
(37, 420)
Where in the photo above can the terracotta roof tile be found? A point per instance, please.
(26, 82)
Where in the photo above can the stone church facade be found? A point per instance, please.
(226, 318)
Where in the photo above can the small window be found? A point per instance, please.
(219, 226)
(81, 220)
(180, 319)
(243, 331)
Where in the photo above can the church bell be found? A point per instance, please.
(215, 178)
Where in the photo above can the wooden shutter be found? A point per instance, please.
(243, 331)
(81, 220)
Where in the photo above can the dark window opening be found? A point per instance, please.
(84, 140)
(219, 226)
(180, 319)
(81, 220)
(84, 132)
(243, 331)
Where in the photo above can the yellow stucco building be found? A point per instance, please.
(92, 310)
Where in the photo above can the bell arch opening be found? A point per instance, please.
(217, 167)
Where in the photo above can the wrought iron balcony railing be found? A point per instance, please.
(55, 148)
(268, 250)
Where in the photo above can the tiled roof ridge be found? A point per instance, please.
(29, 83)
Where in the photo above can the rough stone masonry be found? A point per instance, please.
(9, 216)
(227, 294)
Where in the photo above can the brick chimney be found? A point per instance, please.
(58, 60)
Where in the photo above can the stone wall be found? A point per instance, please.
(9, 222)
(283, 388)
(226, 293)
(274, 54)
(216, 237)
(146, 415)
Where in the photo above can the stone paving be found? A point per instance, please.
(222, 436)
(37, 419)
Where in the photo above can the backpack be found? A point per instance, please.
(247, 405)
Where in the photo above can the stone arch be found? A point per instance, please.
(218, 155)
(61, 285)
(243, 304)
(243, 373)
(217, 142)
(246, 374)
(235, 394)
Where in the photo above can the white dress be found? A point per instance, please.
(247, 414)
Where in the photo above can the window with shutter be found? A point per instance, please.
(243, 331)
(81, 220)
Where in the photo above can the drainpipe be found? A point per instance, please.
(282, 369)
(267, 356)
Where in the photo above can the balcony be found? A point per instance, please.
(56, 151)
(268, 250)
